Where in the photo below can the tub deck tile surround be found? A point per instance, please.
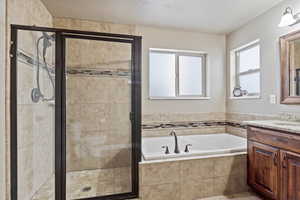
(184, 131)
(193, 127)
(167, 191)
(182, 117)
(193, 179)
(160, 124)
(241, 132)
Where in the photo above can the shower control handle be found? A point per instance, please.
(167, 149)
(187, 148)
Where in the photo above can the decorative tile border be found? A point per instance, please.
(236, 125)
(191, 125)
(99, 72)
(29, 60)
(234, 120)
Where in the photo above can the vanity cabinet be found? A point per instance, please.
(274, 163)
(290, 173)
(263, 162)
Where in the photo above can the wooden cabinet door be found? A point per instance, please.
(263, 170)
(290, 173)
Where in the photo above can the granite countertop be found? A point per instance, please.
(289, 126)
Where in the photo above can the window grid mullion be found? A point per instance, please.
(204, 75)
(177, 75)
(237, 69)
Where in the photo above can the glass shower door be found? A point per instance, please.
(33, 115)
(98, 109)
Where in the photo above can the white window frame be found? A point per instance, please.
(179, 53)
(235, 66)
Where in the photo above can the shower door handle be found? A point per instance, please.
(131, 116)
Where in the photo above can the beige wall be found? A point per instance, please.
(2, 94)
(213, 44)
(265, 28)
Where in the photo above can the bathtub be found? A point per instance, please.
(202, 145)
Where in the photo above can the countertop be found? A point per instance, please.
(289, 126)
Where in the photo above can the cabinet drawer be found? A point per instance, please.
(282, 140)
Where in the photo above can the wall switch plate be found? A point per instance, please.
(272, 99)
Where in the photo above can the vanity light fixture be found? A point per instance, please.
(288, 18)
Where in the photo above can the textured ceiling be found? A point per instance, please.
(213, 16)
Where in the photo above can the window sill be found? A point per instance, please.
(179, 98)
(245, 97)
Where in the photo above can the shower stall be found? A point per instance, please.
(75, 114)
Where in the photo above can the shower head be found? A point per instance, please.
(47, 39)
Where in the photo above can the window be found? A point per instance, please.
(177, 74)
(247, 69)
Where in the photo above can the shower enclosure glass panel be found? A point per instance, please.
(75, 114)
(98, 125)
(35, 104)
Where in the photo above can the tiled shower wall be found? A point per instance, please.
(35, 125)
(2, 96)
(88, 25)
(35, 130)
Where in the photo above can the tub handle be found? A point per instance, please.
(167, 149)
(187, 148)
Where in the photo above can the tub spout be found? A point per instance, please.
(176, 141)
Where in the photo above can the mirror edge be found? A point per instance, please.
(285, 97)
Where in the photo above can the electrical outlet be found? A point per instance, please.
(272, 99)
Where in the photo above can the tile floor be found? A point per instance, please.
(241, 196)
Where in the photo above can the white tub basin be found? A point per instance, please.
(202, 145)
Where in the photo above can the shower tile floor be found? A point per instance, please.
(89, 183)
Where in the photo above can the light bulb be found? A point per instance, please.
(287, 18)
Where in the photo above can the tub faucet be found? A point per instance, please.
(187, 148)
(167, 149)
(176, 141)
